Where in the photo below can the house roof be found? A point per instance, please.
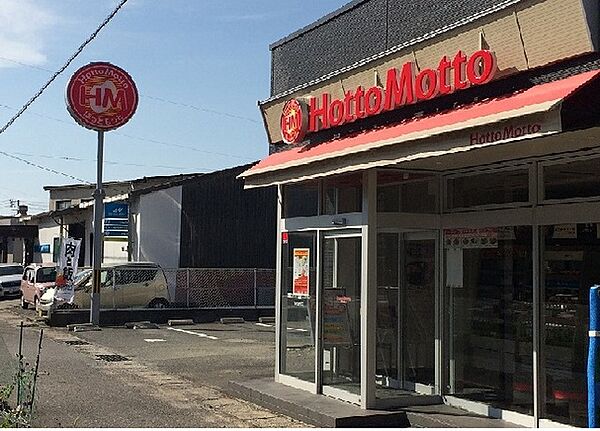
(135, 181)
(235, 171)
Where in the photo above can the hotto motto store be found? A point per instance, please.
(438, 168)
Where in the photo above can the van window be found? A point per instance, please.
(134, 275)
(46, 275)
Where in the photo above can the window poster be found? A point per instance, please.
(471, 238)
(565, 231)
(336, 324)
(300, 281)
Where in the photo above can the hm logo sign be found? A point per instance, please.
(104, 97)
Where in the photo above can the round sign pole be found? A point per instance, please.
(98, 236)
(101, 97)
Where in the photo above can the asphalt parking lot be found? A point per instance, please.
(170, 376)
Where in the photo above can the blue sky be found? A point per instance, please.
(197, 64)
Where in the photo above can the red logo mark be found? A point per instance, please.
(294, 121)
(101, 96)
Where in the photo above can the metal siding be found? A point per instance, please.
(225, 226)
(345, 39)
(362, 31)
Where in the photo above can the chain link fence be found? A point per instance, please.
(139, 285)
(221, 288)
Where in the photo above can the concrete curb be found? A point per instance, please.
(180, 322)
(226, 320)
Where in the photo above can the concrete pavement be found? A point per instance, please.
(177, 382)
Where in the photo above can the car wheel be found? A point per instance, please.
(24, 304)
(158, 303)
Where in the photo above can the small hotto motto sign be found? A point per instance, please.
(101, 96)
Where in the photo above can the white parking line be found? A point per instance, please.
(198, 334)
(289, 329)
(154, 340)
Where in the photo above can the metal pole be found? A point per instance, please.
(20, 373)
(593, 379)
(255, 291)
(98, 240)
(35, 374)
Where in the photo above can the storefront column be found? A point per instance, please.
(369, 293)
(278, 275)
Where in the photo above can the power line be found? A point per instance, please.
(47, 84)
(79, 159)
(159, 99)
(64, 66)
(139, 138)
(198, 108)
(44, 168)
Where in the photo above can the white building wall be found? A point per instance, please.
(115, 252)
(46, 234)
(157, 224)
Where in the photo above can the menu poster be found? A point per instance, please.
(471, 238)
(300, 281)
(336, 325)
(565, 231)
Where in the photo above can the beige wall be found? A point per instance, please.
(530, 34)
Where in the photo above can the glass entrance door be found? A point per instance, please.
(406, 313)
(340, 305)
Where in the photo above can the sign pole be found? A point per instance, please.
(98, 240)
(101, 97)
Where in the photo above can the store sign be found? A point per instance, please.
(42, 248)
(403, 87)
(101, 96)
(510, 131)
(301, 277)
(471, 238)
(116, 220)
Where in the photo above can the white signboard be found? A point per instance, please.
(471, 238)
(565, 231)
(67, 268)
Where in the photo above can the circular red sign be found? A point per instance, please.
(294, 121)
(101, 96)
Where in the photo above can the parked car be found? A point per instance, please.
(47, 300)
(37, 278)
(129, 285)
(10, 279)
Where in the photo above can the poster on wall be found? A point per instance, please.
(300, 281)
(471, 238)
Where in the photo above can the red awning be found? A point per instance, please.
(538, 99)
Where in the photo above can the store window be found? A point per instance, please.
(489, 279)
(406, 286)
(492, 188)
(301, 200)
(570, 266)
(342, 194)
(575, 179)
(409, 192)
(298, 304)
